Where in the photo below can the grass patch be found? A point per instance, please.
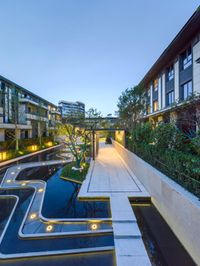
(77, 176)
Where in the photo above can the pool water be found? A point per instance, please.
(43, 156)
(20, 245)
(60, 199)
(90, 259)
(163, 247)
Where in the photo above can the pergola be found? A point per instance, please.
(119, 135)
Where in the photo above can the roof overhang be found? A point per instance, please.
(186, 34)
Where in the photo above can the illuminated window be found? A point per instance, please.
(155, 85)
(155, 106)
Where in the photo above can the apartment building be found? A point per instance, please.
(173, 83)
(24, 113)
(72, 109)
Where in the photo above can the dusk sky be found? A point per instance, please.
(86, 50)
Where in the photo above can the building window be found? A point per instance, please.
(186, 90)
(155, 85)
(187, 58)
(148, 109)
(170, 98)
(155, 106)
(170, 73)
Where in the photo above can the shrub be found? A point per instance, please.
(68, 172)
(141, 134)
(170, 152)
(195, 144)
(168, 136)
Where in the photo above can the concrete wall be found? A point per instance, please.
(196, 68)
(163, 91)
(176, 81)
(151, 98)
(159, 93)
(179, 208)
(120, 136)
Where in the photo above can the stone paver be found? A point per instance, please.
(110, 177)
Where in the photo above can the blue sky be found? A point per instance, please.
(86, 50)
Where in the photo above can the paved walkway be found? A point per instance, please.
(110, 177)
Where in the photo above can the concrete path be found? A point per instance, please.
(110, 177)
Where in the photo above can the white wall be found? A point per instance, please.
(159, 94)
(176, 80)
(163, 90)
(179, 208)
(151, 98)
(196, 68)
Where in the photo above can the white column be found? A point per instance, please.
(2, 134)
(163, 91)
(196, 68)
(176, 80)
(159, 94)
(151, 98)
(30, 133)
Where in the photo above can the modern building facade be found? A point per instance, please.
(173, 83)
(24, 113)
(71, 109)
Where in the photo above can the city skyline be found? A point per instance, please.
(67, 51)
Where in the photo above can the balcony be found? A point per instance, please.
(35, 116)
(26, 100)
(55, 112)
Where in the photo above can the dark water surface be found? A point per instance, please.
(60, 200)
(11, 242)
(163, 247)
(43, 156)
(91, 259)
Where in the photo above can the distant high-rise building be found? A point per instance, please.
(71, 108)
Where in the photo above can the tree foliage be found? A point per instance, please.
(76, 133)
(131, 105)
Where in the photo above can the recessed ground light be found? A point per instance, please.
(33, 216)
(23, 184)
(19, 168)
(93, 226)
(8, 181)
(49, 228)
(12, 173)
(40, 190)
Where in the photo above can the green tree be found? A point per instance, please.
(131, 105)
(77, 132)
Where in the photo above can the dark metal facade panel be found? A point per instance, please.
(169, 86)
(155, 95)
(185, 75)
